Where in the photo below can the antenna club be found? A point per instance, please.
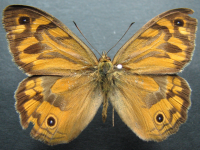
(132, 24)
(75, 23)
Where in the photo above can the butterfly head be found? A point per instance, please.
(104, 58)
(105, 64)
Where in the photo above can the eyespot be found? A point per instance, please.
(24, 20)
(178, 22)
(159, 117)
(51, 121)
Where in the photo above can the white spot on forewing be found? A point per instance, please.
(119, 66)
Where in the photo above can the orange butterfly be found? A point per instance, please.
(67, 84)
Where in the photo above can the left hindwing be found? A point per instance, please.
(59, 107)
(164, 45)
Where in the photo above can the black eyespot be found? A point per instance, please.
(159, 118)
(178, 22)
(51, 121)
(24, 20)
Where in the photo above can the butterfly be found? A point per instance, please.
(67, 83)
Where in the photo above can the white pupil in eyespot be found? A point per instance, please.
(119, 66)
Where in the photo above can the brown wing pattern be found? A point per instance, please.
(152, 106)
(42, 45)
(149, 100)
(164, 45)
(59, 107)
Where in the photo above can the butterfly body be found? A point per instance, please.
(105, 73)
(67, 84)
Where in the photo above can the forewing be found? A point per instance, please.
(42, 45)
(164, 45)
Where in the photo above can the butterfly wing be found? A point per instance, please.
(62, 105)
(152, 106)
(149, 100)
(42, 45)
(59, 107)
(164, 45)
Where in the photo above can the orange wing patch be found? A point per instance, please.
(41, 44)
(167, 39)
(152, 113)
(58, 114)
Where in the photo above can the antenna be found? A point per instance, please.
(85, 37)
(121, 37)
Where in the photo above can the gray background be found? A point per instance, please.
(103, 22)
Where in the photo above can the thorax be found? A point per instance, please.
(105, 70)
